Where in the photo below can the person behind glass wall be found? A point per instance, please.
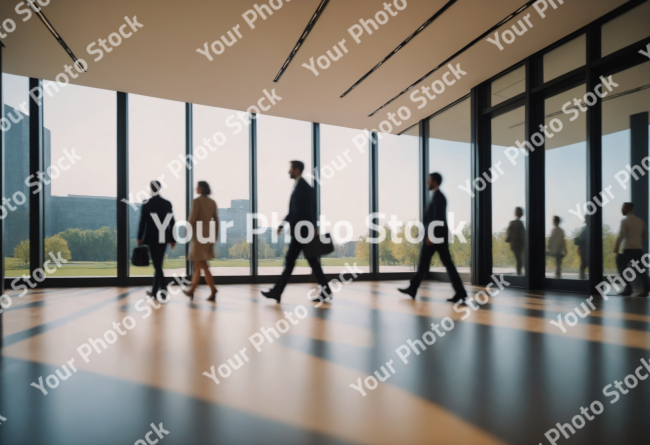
(632, 234)
(149, 235)
(204, 220)
(302, 208)
(435, 226)
(516, 236)
(581, 242)
(557, 246)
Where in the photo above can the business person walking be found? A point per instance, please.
(149, 234)
(302, 208)
(435, 222)
(204, 214)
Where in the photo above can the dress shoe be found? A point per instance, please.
(321, 297)
(213, 295)
(625, 293)
(189, 294)
(150, 293)
(408, 291)
(644, 295)
(272, 295)
(457, 298)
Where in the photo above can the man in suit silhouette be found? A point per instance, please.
(155, 230)
(436, 239)
(302, 209)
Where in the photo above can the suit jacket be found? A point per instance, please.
(437, 211)
(302, 207)
(147, 231)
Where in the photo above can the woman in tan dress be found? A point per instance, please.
(204, 211)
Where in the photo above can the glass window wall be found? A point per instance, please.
(565, 160)
(16, 212)
(450, 155)
(399, 196)
(80, 180)
(157, 152)
(344, 157)
(508, 193)
(279, 141)
(221, 158)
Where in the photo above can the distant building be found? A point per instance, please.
(81, 211)
(61, 212)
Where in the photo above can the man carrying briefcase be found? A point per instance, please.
(302, 209)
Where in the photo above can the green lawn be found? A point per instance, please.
(14, 268)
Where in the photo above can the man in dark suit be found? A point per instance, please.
(302, 209)
(150, 234)
(436, 239)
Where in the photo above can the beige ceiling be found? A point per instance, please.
(160, 60)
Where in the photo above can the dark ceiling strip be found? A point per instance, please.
(474, 42)
(401, 45)
(56, 35)
(303, 37)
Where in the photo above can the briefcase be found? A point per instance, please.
(140, 256)
(317, 248)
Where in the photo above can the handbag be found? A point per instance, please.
(140, 256)
(317, 248)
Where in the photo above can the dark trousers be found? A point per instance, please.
(519, 259)
(425, 263)
(583, 262)
(623, 261)
(157, 252)
(289, 263)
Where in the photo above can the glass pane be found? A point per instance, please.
(399, 195)
(344, 195)
(225, 166)
(16, 132)
(509, 85)
(568, 57)
(279, 141)
(625, 29)
(157, 152)
(625, 145)
(508, 193)
(450, 155)
(565, 187)
(80, 155)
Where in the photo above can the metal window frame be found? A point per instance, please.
(533, 98)
(252, 161)
(2, 191)
(536, 92)
(36, 200)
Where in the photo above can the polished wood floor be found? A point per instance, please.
(503, 375)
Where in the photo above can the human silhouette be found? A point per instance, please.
(516, 236)
(302, 208)
(204, 211)
(149, 234)
(581, 243)
(435, 223)
(632, 234)
(557, 246)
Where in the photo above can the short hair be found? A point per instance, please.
(557, 220)
(298, 164)
(519, 211)
(155, 186)
(436, 177)
(630, 205)
(205, 186)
